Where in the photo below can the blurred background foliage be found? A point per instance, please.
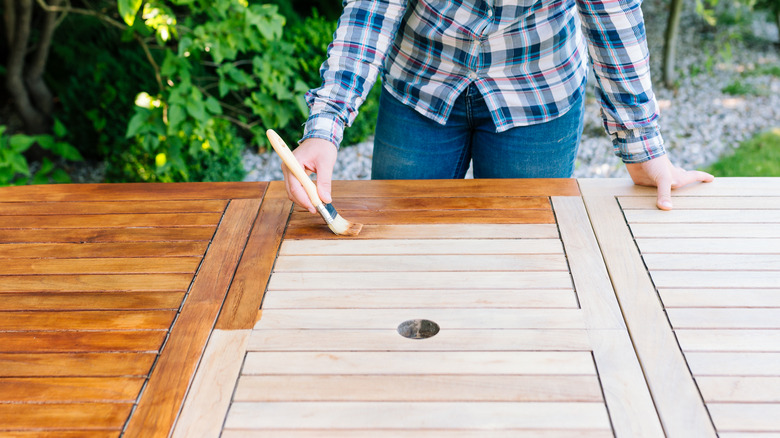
(175, 90)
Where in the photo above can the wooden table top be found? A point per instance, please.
(565, 307)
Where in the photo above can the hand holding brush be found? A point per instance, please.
(335, 222)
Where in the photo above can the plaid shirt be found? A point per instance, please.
(527, 57)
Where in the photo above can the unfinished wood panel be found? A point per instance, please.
(417, 433)
(709, 245)
(449, 318)
(391, 217)
(87, 320)
(84, 416)
(348, 203)
(705, 230)
(712, 262)
(716, 279)
(679, 216)
(210, 395)
(80, 341)
(739, 389)
(705, 202)
(163, 396)
(732, 298)
(445, 340)
(134, 192)
(251, 278)
(69, 389)
(432, 263)
(488, 363)
(404, 415)
(89, 283)
(96, 235)
(455, 188)
(721, 187)
(729, 340)
(731, 318)
(388, 299)
(146, 265)
(103, 250)
(111, 220)
(91, 301)
(431, 231)
(421, 280)
(674, 392)
(76, 364)
(746, 417)
(591, 280)
(430, 388)
(734, 364)
(111, 207)
(461, 247)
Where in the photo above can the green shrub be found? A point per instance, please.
(14, 168)
(758, 156)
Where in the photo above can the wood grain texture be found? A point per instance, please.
(61, 434)
(731, 298)
(81, 341)
(66, 221)
(111, 207)
(452, 246)
(133, 192)
(679, 216)
(430, 263)
(85, 416)
(97, 235)
(455, 188)
(705, 203)
(739, 389)
(419, 433)
(746, 417)
(709, 245)
(76, 364)
(734, 363)
(139, 265)
(729, 187)
(87, 320)
(712, 262)
(729, 340)
(348, 203)
(431, 231)
(731, 318)
(90, 283)
(763, 230)
(716, 279)
(92, 301)
(164, 394)
(391, 217)
(251, 278)
(69, 389)
(104, 250)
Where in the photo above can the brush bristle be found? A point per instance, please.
(344, 227)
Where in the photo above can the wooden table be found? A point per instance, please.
(566, 308)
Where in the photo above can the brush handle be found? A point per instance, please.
(295, 167)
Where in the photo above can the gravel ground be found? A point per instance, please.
(699, 122)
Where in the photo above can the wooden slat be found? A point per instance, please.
(706, 202)
(421, 280)
(711, 245)
(348, 203)
(429, 231)
(110, 220)
(133, 192)
(729, 340)
(716, 279)
(732, 298)
(111, 207)
(463, 247)
(391, 318)
(89, 283)
(746, 417)
(87, 320)
(85, 416)
(61, 434)
(428, 388)
(678, 216)
(674, 392)
(164, 394)
(418, 433)
(455, 188)
(91, 301)
(209, 397)
(251, 279)
(712, 262)
(97, 235)
(69, 389)
(724, 318)
(376, 299)
(72, 341)
(103, 250)
(76, 364)
(391, 217)
(410, 263)
(146, 265)
(734, 364)
(721, 187)
(445, 340)
(404, 415)
(487, 363)
(740, 389)
(771, 231)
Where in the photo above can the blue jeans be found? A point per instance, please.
(407, 145)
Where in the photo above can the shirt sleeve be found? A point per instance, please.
(364, 34)
(617, 45)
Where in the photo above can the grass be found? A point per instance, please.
(758, 156)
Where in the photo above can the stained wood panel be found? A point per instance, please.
(430, 231)
(104, 250)
(111, 207)
(134, 192)
(92, 265)
(91, 301)
(70, 389)
(99, 235)
(110, 220)
(89, 320)
(84, 416)
(548, 244)
(76, 364)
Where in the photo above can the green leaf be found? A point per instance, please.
(19, 164)
(128, 9)
(137, 122)
(59, 129)
(67, 151)
(60, 176)
(196, 109)
(213, 106)
(46, 166)
(45, 141)
(20, 142)
(176, 115)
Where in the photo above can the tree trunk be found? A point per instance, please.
(670, 43)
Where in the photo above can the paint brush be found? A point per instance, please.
(335, 222)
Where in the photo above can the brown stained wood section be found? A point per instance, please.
(61, 434)
(104, 250)
(384, 217)
(134, 192)
(80, 341)
(428, 231)
(95, 235)
(164, 394)
(110, 220)
(111, 207)
(91, 320)
(93, 265)
(91, 301)
(89, 416)
(69, 389)
(88, 283)
(424, 204)
(455, 188)
(76, 364)
(249, 284)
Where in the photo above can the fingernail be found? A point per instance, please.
(666, 204)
